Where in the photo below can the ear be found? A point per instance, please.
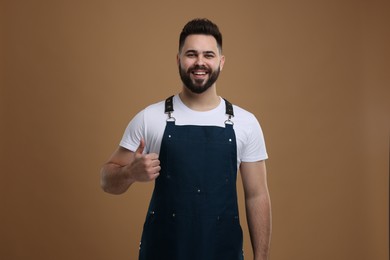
(222, 62)
(177, 59)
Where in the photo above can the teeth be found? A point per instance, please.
(199, 73)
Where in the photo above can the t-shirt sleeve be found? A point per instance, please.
(254, 148)
(134, 132)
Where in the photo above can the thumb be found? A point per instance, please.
(141, 147)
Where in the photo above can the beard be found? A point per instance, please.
(198, 86)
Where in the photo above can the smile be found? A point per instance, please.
(199, 72)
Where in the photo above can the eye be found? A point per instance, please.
(190, 55)
(209, 56)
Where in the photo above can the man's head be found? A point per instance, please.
(200, 55)
(203, 27)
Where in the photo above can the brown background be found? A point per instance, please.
(73, 73)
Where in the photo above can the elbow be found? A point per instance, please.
(261, 200)
(110, 189)
(106, 185)
(112, 182)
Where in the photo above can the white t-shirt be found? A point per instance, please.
(150, 123)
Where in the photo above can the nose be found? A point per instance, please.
(199, 60)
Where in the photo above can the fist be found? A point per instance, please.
(144, 167)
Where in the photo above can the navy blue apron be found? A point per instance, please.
(193, 213)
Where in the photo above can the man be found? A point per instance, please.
(191, 145)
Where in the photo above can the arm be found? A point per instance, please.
(126, 167)
(258, 207)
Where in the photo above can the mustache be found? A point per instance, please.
(198, 67)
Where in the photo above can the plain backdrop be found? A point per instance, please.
(73, 73)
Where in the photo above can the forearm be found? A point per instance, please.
(115, 179)
(258, 210)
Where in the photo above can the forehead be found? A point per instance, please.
(200, 42)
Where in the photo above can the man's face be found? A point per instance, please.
(200, 62)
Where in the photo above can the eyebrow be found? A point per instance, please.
(195, 51)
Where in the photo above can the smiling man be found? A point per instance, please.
(192, 145)
(199, 66)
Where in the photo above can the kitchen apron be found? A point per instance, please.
(193, 213)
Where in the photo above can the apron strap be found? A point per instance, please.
(169, 107)
(229, 112)
(229, 108)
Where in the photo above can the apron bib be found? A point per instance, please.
(193, 213)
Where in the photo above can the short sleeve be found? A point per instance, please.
(254, 148)
(134, 132)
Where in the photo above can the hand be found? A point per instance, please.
(144, 167)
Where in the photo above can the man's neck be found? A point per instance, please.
(205, 101)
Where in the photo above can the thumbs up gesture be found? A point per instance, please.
(144, 167)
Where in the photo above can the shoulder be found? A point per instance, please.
(157, 107)
(154, 112)
(250, 139)
(246, 124)
(243, 116)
